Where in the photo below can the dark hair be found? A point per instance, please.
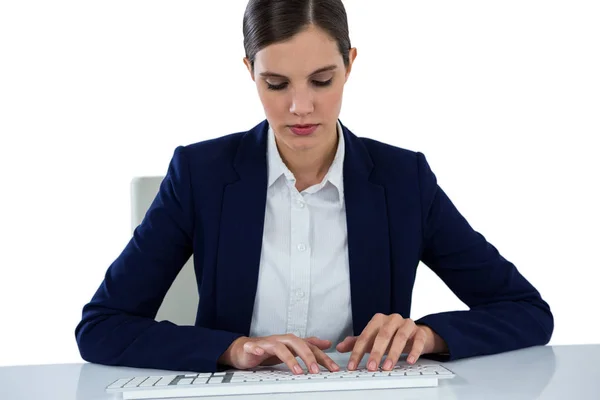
(271, 21)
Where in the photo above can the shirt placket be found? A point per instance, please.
(300, 257)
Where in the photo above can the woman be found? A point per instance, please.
(304, 236)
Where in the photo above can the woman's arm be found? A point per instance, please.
(117, 325)
(506, 311)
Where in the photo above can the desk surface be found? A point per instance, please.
(543, 372)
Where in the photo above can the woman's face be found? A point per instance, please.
(294, 90)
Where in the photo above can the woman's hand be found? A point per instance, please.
(246, 353)
(391, 335)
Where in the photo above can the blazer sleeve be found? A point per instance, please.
(117, 325)
(505, 311)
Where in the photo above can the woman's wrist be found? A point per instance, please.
(228, 357)
(435, 344)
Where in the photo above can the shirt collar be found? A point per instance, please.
(276, 166)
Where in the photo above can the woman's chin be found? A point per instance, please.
(304, 144)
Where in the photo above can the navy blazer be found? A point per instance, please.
(211, 204)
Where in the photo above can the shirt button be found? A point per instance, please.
(300, 204)
(301, 247)
(298, 333)
(299, 293)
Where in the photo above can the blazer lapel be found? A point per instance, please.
(241, 233)
(368, 237)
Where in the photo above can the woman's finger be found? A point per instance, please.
(384, 340)
(418, 345)
(361, 346)
(320, 343)
(303, 350)
(404, 334)
(324, 359)
(279, 349)
(253, 348)
(347, 344)
(365, 340)
(393, 355)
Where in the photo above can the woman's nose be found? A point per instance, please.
(302, 103)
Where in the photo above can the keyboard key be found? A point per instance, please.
(185, 381)
(120, 383)
(150, 381)
(200, 380)
(444, 372)
(285, 378)
(216, 379)
(378, 374)
(135, 382)
(428, 372)
(166, 380)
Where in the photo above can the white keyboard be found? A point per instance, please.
(271, 380)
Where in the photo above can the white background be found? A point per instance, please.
(502, 97)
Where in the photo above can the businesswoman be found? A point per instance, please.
(305, 237)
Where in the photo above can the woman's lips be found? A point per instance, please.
(303, 130)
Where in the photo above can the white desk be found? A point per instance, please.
(545, 372)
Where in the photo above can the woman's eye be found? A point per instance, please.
(280, 86)
(323, 83)
(283, 85)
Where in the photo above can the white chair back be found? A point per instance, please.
(180, 304)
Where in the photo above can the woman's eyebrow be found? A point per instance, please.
(268, 74)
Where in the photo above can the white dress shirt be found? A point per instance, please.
(304, 281)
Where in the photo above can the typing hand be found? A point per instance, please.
(246, 353)
(391, 335)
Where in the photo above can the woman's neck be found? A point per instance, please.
(310, 167)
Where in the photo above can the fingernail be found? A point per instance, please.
(372, 365)
(315, 368)
(411, 359)
(297, 369)
(351, 365)
(388, 364)
(334, 366)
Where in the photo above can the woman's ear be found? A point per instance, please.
(249, 66)
(351, 57)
